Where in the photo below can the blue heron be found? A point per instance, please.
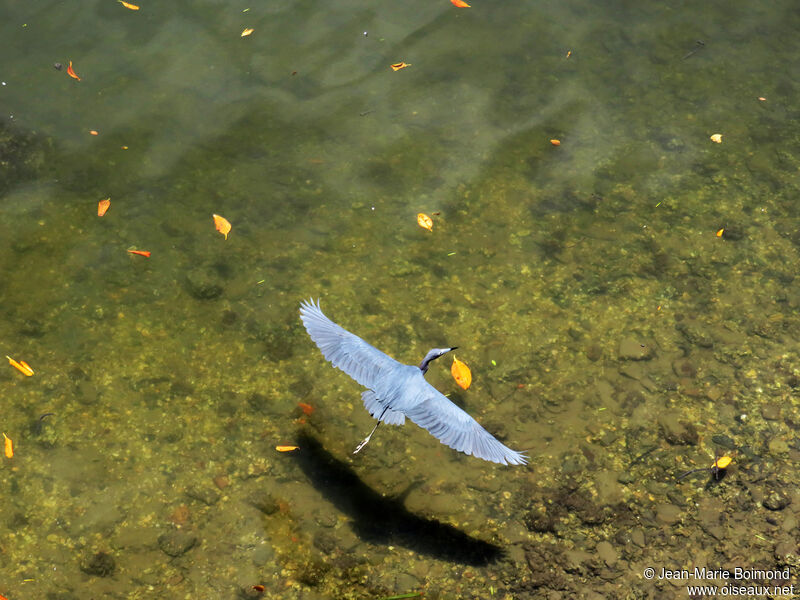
(396, 391)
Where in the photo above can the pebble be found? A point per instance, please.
(606, 553)
(771, 412)
(723, 441)
(776, 499)
(176, 542)
(206, 495)
(203, 286)
(631, 349)
(676, 432)
(667, 514)
(264, 502)
(100, 564)
(684, 368)
(777, 446)
(637, 537)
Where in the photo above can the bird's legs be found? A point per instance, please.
(366, 439)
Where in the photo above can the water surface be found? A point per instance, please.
(626, 300)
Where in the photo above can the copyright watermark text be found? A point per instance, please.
(736, 581)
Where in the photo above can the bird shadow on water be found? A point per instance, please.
(381, 520)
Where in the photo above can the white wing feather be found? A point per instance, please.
(346, 351)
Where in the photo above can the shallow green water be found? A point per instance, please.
(611, 332)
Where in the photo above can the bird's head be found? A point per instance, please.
(433, 354)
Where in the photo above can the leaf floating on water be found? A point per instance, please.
(400, 65)
(306, 408)
(20, 366)
(717, 138)
(722, 462)
(128, 5)
(145, 253)
(555, 142)
(9, 446)
(222, 225)
(94, 132)
(460, 3)
(461, 373)
(247, 32)
(71, 72)
(720, 232)
(425, 221)
(102, 206)
(286, 448)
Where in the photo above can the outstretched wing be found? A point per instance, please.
(377, 408)
(455, 428)
(346, 351)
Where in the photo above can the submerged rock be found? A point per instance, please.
(203, 285)
(776, 498)
(100, 564)
(176, 542)
(677, 432)
(631, 349)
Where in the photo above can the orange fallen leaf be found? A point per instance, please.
(247, 32)
(720, 232)
(569, 53)
(71, 72)
(555, 142)
(286, 448)
(93, 132)
(762, 99)
(222, 225)
(9, 446)
(716, 138)
(425, 221)
(102, 206)
(461, 373)
(307, 408)
(400, 65)
(128, 5)
(145, 253)
(20, 366)
(460, 3)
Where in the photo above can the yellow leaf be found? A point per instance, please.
(722, 462)
(425, 221)
(247, 32)
(461, 373)
(400, 65)
(286, 448)
(20, 366)
(717, 138)
(128, 5)
(222, 224)
(9, 446)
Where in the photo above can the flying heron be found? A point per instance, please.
(396, 391)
